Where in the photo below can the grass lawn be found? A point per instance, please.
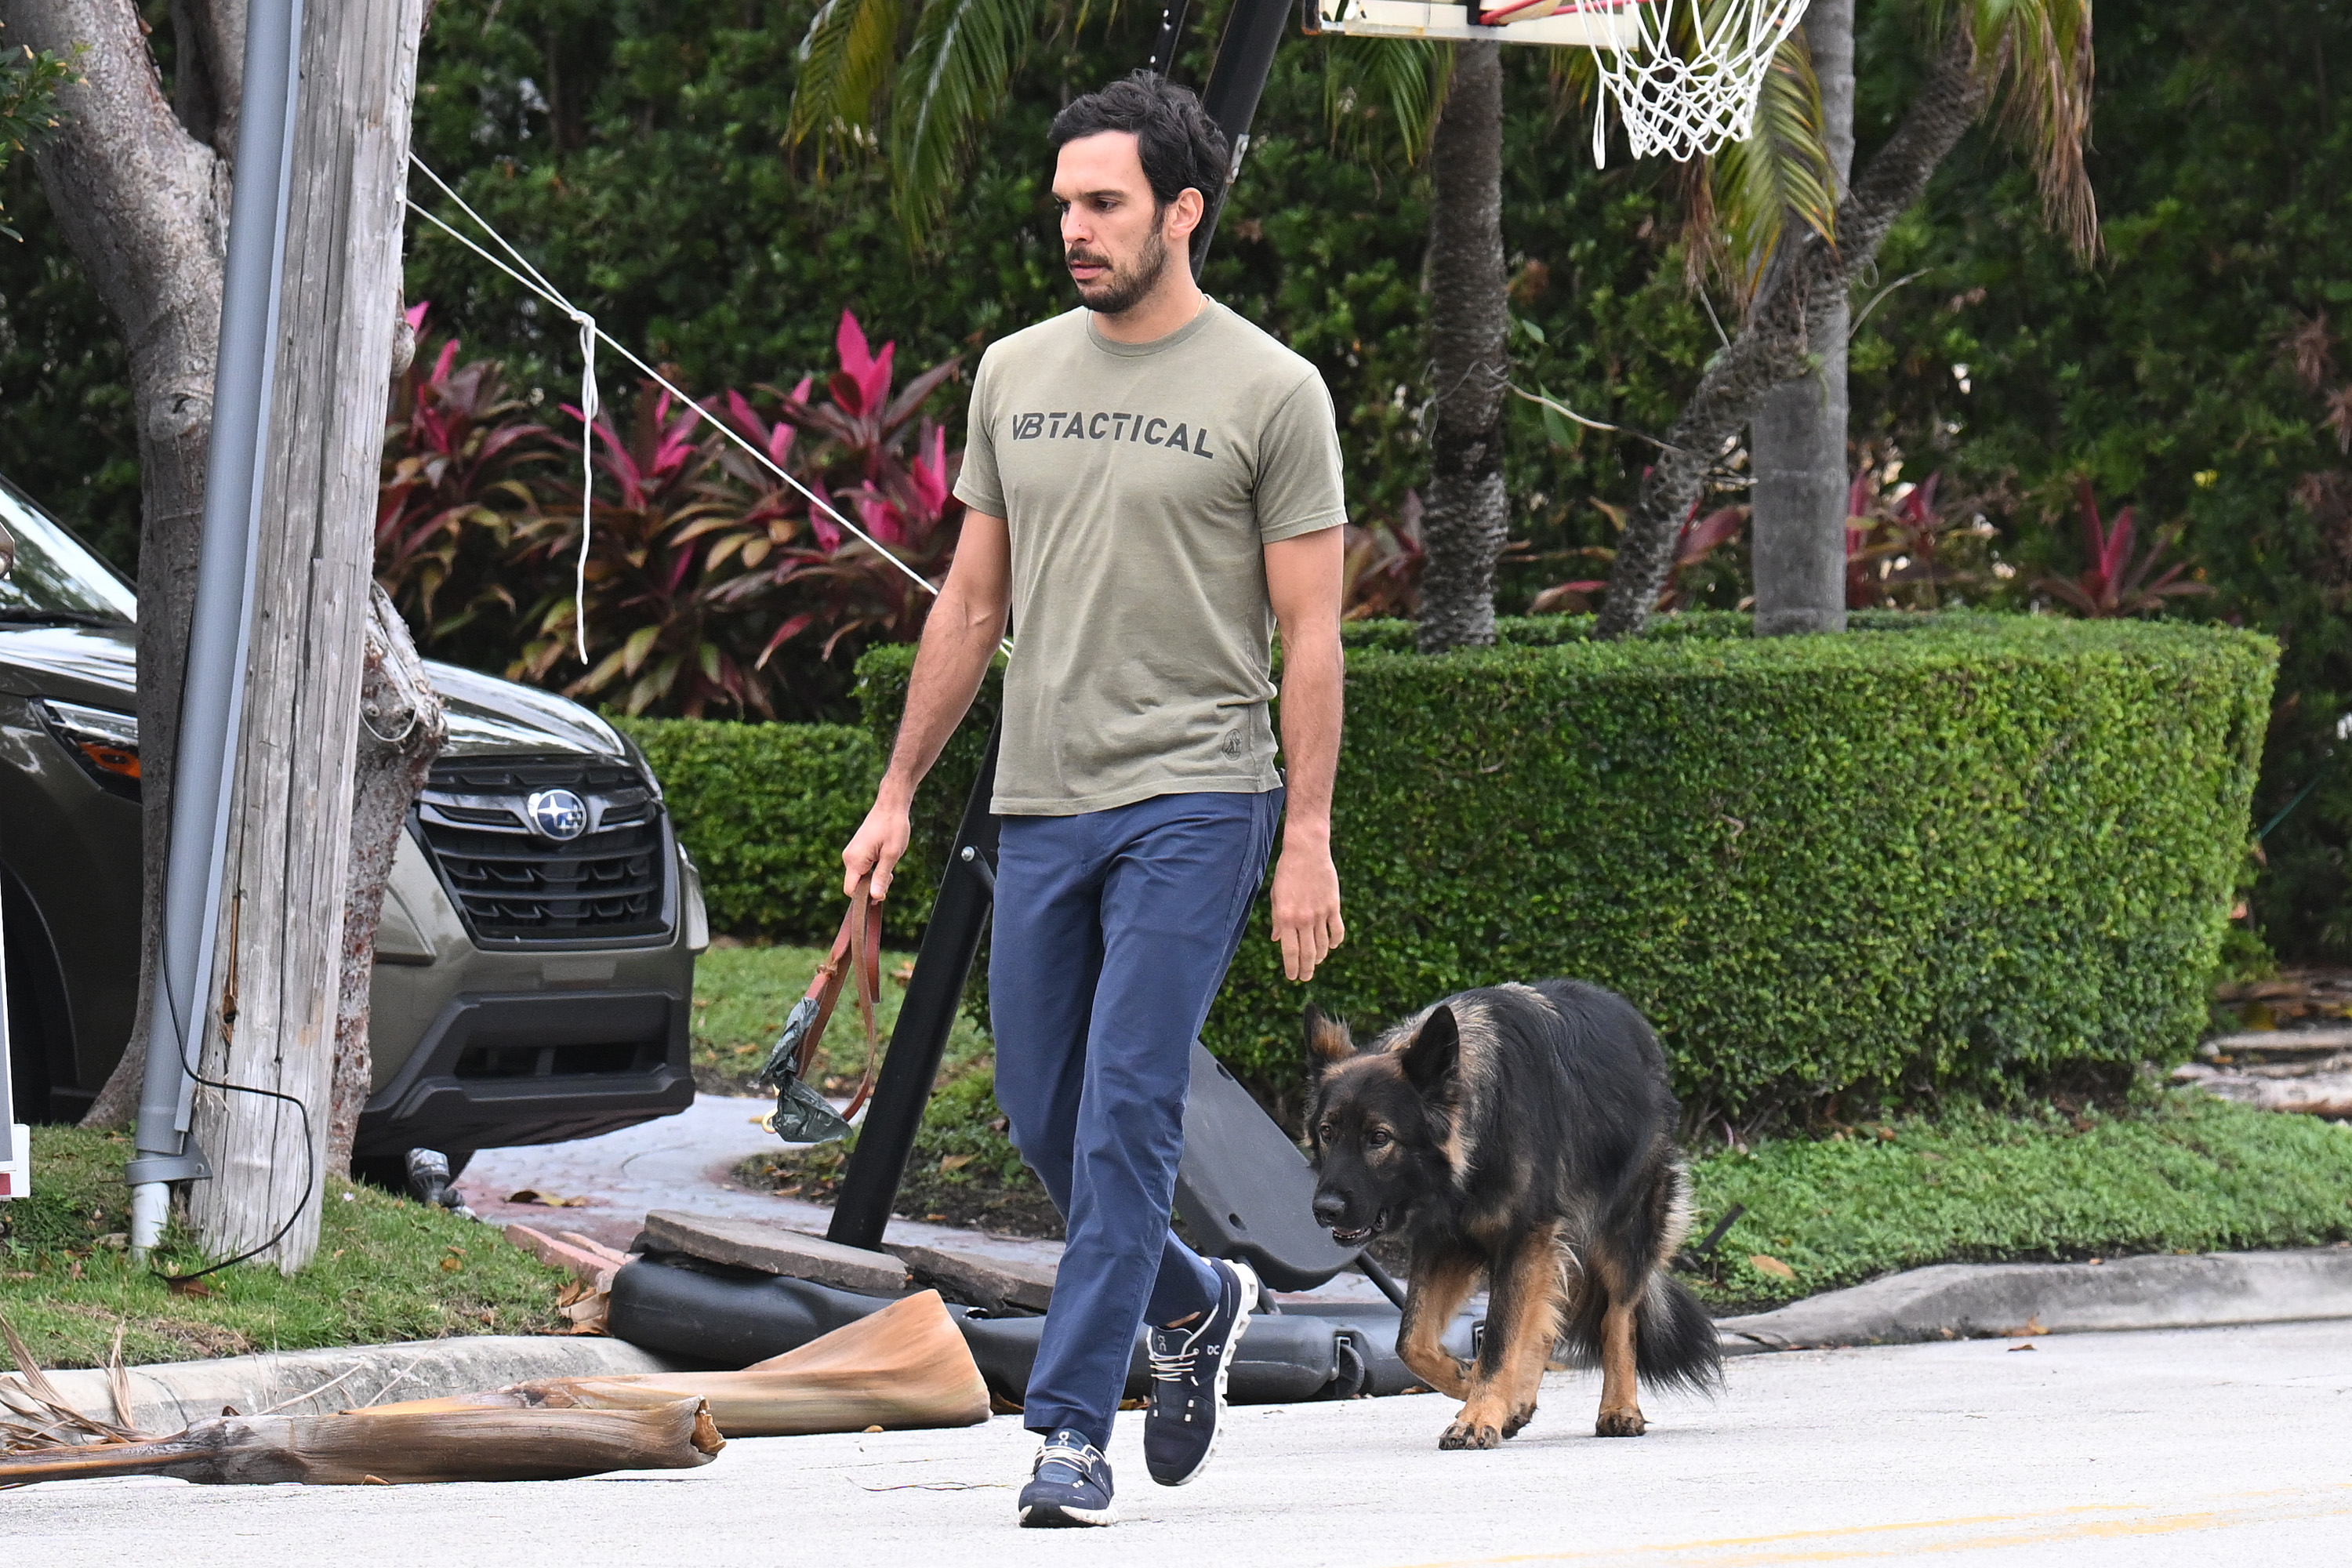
(2175, 1170)
(740, 996)
(387, 1269)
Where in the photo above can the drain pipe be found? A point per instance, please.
(214, 695)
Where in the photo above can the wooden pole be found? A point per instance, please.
(274, 979)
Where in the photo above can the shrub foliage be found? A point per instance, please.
(1940, 851)
(764, 810)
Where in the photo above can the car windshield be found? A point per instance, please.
(55, 577)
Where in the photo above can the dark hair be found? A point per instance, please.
(1179, 145)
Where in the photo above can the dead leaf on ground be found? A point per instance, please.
(546, 1200)
(954, 1162)
(1766, 1264)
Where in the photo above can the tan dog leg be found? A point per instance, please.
(1621, 1411)
(1531, 1356)
(1433, 1295)
(1522, 1320)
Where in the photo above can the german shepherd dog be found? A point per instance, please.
(1524, 1134)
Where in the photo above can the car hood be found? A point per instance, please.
(488, 717)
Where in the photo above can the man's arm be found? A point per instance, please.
(958, 639)
(1303, 581)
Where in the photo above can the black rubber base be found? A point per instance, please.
(732, 1317)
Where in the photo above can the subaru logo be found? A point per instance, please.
(558, 813)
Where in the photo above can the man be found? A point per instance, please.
(1152, 485)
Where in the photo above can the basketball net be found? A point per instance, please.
(1683, 97)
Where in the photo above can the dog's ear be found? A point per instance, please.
(1327, 1041)
(1434, 1053)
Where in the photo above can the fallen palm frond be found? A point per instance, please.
(903, 1368)
(488, 1445)
(44, 1438)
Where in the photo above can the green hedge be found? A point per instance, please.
(764, 810)
(1938, 851)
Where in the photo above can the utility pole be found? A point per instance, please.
(271, 997)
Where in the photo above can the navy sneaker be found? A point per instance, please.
(1068, 1485)
(1188, 1366)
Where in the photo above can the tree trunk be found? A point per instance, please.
(1798, 442)
(402, 728)
(277, 974)
(1805, 279)
(1467, 518)
(144, 206)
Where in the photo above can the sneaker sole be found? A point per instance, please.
(1054, 1516)
(1251, 1289)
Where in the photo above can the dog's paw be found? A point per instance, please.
(1518, 1420)
(1626, 1423)
(1466, 1435)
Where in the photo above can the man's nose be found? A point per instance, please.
(1330, 1208)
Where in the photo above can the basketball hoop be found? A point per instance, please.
(1684, 74)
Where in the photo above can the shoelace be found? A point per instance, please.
(1176, 1365)
(1080, 1458)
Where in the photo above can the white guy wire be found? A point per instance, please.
(590, 332)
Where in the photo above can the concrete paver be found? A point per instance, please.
(2214, 1445)
(687, 1162)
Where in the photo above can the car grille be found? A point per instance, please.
(516, 885)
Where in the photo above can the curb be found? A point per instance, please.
(169, 1395)
(1991, 1301)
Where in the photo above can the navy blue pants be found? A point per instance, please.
(1113, 931)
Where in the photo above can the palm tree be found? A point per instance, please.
(1796, 443)
(2031, 57)
(1468, 519)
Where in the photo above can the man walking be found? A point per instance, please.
(1153, 485)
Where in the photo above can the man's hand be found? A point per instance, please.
(1307, 907)
(874, 853)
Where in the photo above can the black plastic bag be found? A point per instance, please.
(802, 1115)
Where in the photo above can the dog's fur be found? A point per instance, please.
(1524, 1134)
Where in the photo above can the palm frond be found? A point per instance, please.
(1781, 170)
(1404, 78)
(954, 73)
(2036, 56)
(846, 61)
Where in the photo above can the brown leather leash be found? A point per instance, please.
(860, 943)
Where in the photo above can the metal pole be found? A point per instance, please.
(14, 1159)
(967, 889)
(212, 696)
(1245, 60)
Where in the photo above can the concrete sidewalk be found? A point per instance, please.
(2217, 1446)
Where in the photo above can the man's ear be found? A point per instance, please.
(1436, 1052)
(1327, 1041)
(1184, 215)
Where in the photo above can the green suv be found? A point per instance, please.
(534, 972)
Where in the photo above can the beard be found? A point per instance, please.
(1121, 289)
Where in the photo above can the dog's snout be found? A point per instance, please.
(1330, 1208)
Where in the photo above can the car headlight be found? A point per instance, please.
(105, 743)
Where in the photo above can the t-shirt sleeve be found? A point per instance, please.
(978, 485)
(1299, 489)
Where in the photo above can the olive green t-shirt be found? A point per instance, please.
(1142, 482)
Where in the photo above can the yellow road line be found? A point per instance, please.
(2085, 1521)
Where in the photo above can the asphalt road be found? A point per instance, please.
(2223, 1446)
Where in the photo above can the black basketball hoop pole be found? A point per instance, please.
(968, 881)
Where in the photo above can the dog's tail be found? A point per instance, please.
(1675, 1341)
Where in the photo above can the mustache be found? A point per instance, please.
(1078, 256)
